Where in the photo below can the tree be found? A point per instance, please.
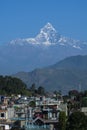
(33, 87)
(77, 121)
(10, 85)
(73, 93)
(84, 102)
(16, 125)
(41, 90)
(32, 104)
(62, 120)
(85, 93)
(58, 94)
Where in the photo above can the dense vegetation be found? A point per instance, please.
(62, 121)
(77, 121)
(10, 85)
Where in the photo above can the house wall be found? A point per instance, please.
(84, 110)
(10, 113)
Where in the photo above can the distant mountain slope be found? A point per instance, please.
(70, 73)
(73, 62)
(47, 48)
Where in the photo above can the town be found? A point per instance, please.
(43, 111)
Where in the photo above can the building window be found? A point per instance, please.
(2, 115)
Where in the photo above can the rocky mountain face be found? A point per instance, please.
(45, 49)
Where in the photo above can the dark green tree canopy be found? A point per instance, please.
(84, 102)
(41, 90)
(10, 85)
(77, 121)
(62, 120)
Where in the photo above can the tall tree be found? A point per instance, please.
(84, 102)
(41, 90)
(33, 87)
(62, 121)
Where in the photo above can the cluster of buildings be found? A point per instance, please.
(31, 112)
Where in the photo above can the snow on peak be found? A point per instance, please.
(48, 27)
(48, 36)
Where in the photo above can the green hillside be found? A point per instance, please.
(10, 86)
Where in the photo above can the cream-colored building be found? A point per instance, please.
(84, 110)
(6, 114)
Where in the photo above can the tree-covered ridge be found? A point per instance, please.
(10, 85)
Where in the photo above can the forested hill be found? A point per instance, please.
(10, 85)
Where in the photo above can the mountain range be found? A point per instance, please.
(65, 75)
(47, 48)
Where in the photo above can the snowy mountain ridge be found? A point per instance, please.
(47, 48)
(49, 36)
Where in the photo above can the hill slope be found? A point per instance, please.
(70, 73)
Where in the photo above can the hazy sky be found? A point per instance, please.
(24, 18)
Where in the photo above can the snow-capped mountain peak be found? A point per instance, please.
(49, 36)
(48, 27)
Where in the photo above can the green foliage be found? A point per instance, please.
(10, 85)
(84, 102)
(73, 93)
(16, 125)
(41, 90)
(32, 104)
(37, 90)
(85, 93)
(77, 121)
(33, 87)
(62, 121)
